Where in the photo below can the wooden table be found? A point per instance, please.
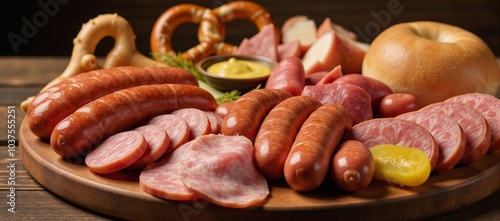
(21, 77)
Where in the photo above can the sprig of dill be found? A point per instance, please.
(228, 97)
(180, 62)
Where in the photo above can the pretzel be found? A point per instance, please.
(123, 53)
(211, 31)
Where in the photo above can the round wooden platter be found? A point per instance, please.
(119, 195)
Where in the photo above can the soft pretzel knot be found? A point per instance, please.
(211, 32)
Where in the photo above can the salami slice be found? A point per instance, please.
(158, 143)
(176, 128)
(489, 107)
(215, 122)
(162, 178)
(220, 168)
(446, 132)
(197, 121)
(355, 99)
(117, 152)
(477, 132)
(396, 131)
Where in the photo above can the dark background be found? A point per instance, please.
(55, 34)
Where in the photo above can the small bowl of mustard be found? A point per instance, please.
(235, 72)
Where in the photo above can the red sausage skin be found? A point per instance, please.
(81, 131)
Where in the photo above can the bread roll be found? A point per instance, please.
(432, 61)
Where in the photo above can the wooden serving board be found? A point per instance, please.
(119, 195)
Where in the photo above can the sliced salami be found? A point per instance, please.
(396, 131)
(162, 178)
(489, 107)
(117, 152)
(220, 168)
(477, 132)
(215, 122)
(446, 132)
(197, 121)
(355, 99)
(158, 143)
(176, 128)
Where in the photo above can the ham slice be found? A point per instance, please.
(262, 44)
(162, 179)
(220, 169)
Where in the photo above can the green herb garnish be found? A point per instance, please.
(228, 96)
(180, 62)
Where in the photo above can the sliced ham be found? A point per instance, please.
(489, 107)
(176, 128)
(331, 76)
(262, 44)
(446, 132)
(162, 178)
(289, 49)
(158, 143)
(475, 127)
(117, 152)
(220, 168)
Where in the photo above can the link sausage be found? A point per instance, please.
(309, 158)
(88, 126)
(277, 133)
(288, 75)
(247, 113)
(57, 102)
(352, 167)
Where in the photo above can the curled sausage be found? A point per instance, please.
(88, 126)
(308, 161)
(352, 167)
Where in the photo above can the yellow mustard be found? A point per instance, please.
(240, 69)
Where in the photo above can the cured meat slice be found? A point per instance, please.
(446, 132)
(176, 127)
(261, 44)
(477, 132)
(331, 76)
(220, 168)
(162, 178)
(215, 122)
(289, 49)
(489, 107)
(117, 152)
(396, 131)
(355, 99)
(197, 121)
(158, 143)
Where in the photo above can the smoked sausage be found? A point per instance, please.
(248, 112)
(353, 166)
(88, 126)
(307, 163)
(288, 75)
(277, 133)
(57, 102)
